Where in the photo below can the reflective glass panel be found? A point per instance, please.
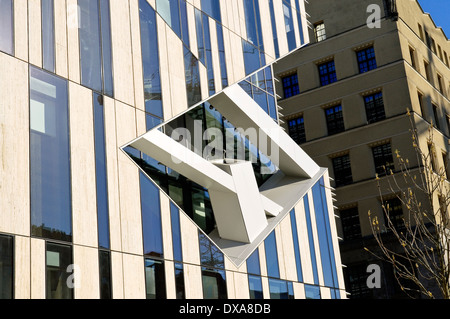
(6, 267)
(155, 279)
(270, 245)
(48, 35)
(255, 287)
(6, 26)
(59, 267)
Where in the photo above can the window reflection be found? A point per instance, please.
(155, 279)
(58, 283)
(51, 210)
(6, 26)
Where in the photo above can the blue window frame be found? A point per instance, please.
(48, 35)
(290, 85)
(50, 179)
(7, 26)
(270, 245)
(151, 218)
(100, 172)
(366, 60)
(327, 73)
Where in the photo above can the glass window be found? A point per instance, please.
(299, 21)
(366, 60)
(253, 266)
(436, 116)
(176, 233)
(356, 281)
(255, 287)
(312, 249)
(6, 267)
(274, 29)
(193, 86)
(179, 281)
(150, 60)
(319, 31)
(253, 23)
(48, 35)
(335, 120)
(51, 210)
(351, 227)
(251, 57)
(105, 25)
(184, 22)
(214, 284)
(290, 85)
(7, 26)
(151, 218)
(58, 284)
(208, 52)
(210, 255)
(394, 209)
(279, 289)
(289, 23)
(312, 292)
(297, 130)
(170, 12)
(100, 172)
(342, 170)
(155, 279)
(324, 235)
(327, 73)
(374, 107)
(222, 59)
(383, 160)
(212, 8)
(105, 274)
(270, 246)
(295, 239)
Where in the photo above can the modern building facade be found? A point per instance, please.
(345, 100)
(103, 197)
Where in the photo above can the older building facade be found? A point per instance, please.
(101, 200)
(346, 100)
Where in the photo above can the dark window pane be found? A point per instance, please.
(342, 170)
(366, 60)
(100, 172)
(374, 108)
(155, 280)
(51, 211)
(151, 218)
(327, 73)
(6, 267)
(6, 26)
(255, 287)
(212, 8)
(274, 29)
(176, 233)
(350, 223)
(210, 255)
(58, 284)
(335, 120)
(214, 284)
(48, 35)
(179, 281)
(382, 156)
(150, 59)
(394, 208)
(312, 292)
(270, 246)
(90, 49)
(297, 130)
(290, 85)
(105, 274)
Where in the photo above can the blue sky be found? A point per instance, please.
(439, 11)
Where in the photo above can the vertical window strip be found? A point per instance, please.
(106, 49)
(105, 274)
(295, 238)
(299, 21)
(7, 26)
(101, 172)
(6, 267)
(150, 61)
(324, 235)
(179, 281)
(176, 233)
(270, 246)
(208, 52)
(48, 35)
(274, 29)
(58, 259)
(151, 218)
(155, 282)
(289, 24)
(184, 23)
(200, 36)
(312, 248)
(222, 58)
